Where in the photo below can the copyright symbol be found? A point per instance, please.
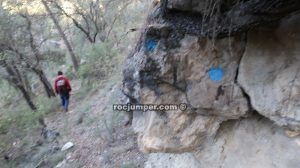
(182, 106)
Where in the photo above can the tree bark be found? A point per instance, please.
(13, 80)
(38, 71)
(87, 31)
(47, 86)
(27, 97)
(36, 68)
(62, 34)
(26, 82)
(22, 78)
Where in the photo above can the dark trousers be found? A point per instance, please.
(65, 100)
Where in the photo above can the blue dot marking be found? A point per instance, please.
(151, 44)
(216, 74)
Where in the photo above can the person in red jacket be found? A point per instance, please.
(62, 87)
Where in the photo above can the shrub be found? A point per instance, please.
(100, 61)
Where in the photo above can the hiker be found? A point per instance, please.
(63, 88)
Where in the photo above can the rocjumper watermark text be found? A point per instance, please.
(149, 107)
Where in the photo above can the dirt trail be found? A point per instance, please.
(99, 136)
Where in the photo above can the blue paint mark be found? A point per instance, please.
(151, 44)
(216, 74)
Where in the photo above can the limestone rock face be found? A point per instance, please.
(248, 143)
(227, 85)
(176, 132)
(185, 160)
(269, 72)
(180, 74)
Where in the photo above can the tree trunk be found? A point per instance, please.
(26, 82)
(27, 97)
(86, 31)
(62, 34)
(47, 86)
(36, 68)
(22, 77)
(14, 80)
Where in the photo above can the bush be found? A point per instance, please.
(25, 117)
(127, 166)
(8, 93)
(100, 61)
(56, 56)
(21, 123)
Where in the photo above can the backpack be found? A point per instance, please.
(62, 87)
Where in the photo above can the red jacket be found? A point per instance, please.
(62, 81)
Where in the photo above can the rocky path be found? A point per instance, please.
(99, 136)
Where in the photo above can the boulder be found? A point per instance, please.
(231, 69)
(185, 160)
(270, 72)
(246, 143)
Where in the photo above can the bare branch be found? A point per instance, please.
(31, 40)
(117, 17)
(76, 23)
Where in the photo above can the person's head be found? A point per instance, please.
(60, 73)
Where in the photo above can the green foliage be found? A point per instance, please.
(8, 93)
(8, 165)
(56, 56)
(46, 105)
(70, 73)
(4, 125)
(85, 70)
(24, 118)
(99, 70)
(99, 61)
(20, 123)
(56, 158)
(128, 166)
